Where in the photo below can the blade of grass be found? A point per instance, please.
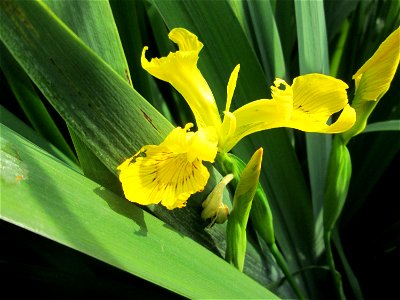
(97, 30)
(102, 108)
(391, 125)
(284, 12)
(240, 11)
(31, 104)
(130, 19)
(15, 124)
(313, 58)
(268, 40)
(95, 221)
(337, 54)
(336, 12)
(93, 22)
(354, 284)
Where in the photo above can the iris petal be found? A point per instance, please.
(180, 70)
(170, 172)
(316, 98)
(374, 77)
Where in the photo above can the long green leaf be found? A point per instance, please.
(15, 124)
(336, 13)
(269, 42)
(95, 221)
(97, 30)
(392, 125)
(313, 58)
(111, 118)
(94, 23)
(355, 285)
(284, 12)
(81, 86)
(130, 19)
(225, 46)
(31, 103)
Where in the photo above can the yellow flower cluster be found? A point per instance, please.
(170, 172)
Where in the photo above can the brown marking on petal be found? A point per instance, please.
(148, 119)
(300, 107)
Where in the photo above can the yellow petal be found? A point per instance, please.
(185, 40)
(345, 121)
(231, 87)
(180, 70)
(213, 206)
(256, 116)
(306, 105)
(165, 173)
(226, 132)
(203, 145)
(374, 77)
(316, 98)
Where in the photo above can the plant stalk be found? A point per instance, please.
(282, 264)
(337, 278)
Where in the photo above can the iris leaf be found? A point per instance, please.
(95, 221)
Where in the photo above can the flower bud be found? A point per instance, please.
(237, 222)
(213, 207)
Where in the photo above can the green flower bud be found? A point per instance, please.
(260, 214)
(237, 222)
(373, 80)
(337, 182)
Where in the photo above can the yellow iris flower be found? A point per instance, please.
(374, 77)
(173, 170)
(373, 80)
(306, 105)
(170, 172)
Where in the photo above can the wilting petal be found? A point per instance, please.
(180, 70)
(374, 77)
(214, 207)
(316, 98)
(166, 174)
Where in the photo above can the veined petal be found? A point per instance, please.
(374, 77)
(165, 173)
(316, 98)
(319, 93)
(306, 105)
(180, 70)
(257, 116)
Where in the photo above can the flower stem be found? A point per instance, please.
(282, 264)
(337, 278)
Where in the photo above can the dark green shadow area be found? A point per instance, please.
(46, 269)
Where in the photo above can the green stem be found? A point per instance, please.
(337, 278)
(282, 264)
